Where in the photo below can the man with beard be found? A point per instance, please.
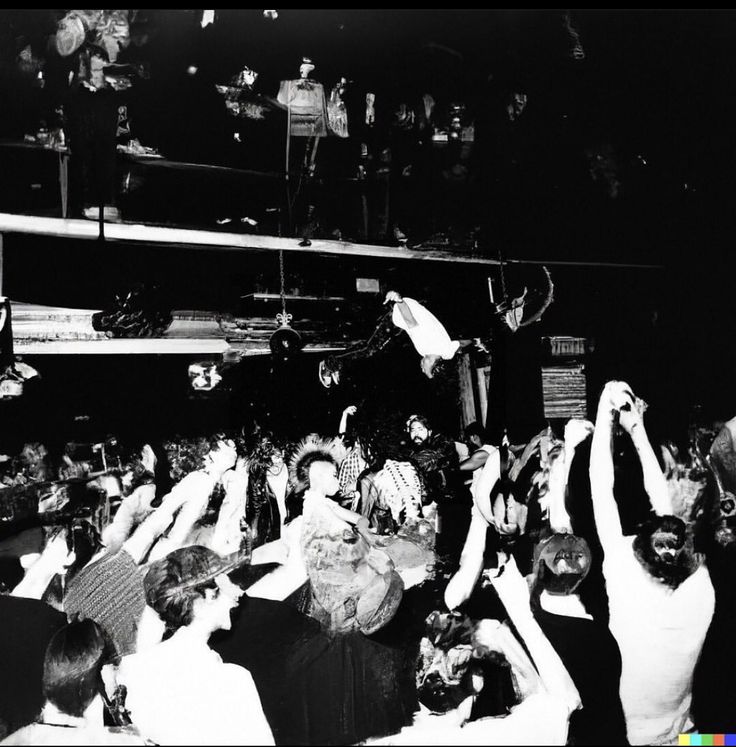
(437, 460)
(661, 598)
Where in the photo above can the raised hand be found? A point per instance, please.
(392, 296)
(576, 431)
(614, 395)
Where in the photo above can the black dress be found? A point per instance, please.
(317, 687)
(262, 511)
(592, 657)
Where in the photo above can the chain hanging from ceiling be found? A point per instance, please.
(284, 341)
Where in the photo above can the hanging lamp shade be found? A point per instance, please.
(285, 342)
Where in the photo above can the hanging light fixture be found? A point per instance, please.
(285, 341)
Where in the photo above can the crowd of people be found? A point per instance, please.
(371, 586)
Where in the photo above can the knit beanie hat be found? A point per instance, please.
(110, 592)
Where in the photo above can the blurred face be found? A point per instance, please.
(224, 456)
(418, 433)
(569, 559)
(97, 77)
(666, 545)
(430, 365)
(323, 478)
(445, 678)
(277, 460)
(474, 441)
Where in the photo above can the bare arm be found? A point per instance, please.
(576, 431)
(133, 508)
(179, 503)
(513, 591)
(194, 493)
(605, 510)
(288, 577)
(474, 461)
(54, 559)
(226, 537)
(403, 308)
(654, 480)
(491, 472)
(461, 585)
(347, 412)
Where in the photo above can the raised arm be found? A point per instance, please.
(182, 507)
(489, 476)
(605, 510)
(227, 535)
(133, 508)
(461, 585)
(576, 431)
(632, 421)
(513, 591)
(193, 495)
(346, 413)
(54, 559)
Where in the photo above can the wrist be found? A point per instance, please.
(604, 418)
(637, 432)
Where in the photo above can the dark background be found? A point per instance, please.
(625, 156)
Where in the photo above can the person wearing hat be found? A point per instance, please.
(180, 691)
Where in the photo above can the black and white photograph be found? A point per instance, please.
(367, 377)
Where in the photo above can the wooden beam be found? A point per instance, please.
(554, 263)
(219, 240)
(482, 376)
(125, 346)
(465, 384)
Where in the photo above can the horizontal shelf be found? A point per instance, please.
(277, 297)
(155, 346)
(219, 240)
(125, 346)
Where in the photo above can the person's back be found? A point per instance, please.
(660, 631)
(61, 734)
(179, 691)
(586, 646)
(591, 656)
(27, 626)
(182, 694)
(73, 709)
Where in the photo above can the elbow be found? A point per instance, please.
(456, 593)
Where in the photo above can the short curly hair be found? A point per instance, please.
(186, 455)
